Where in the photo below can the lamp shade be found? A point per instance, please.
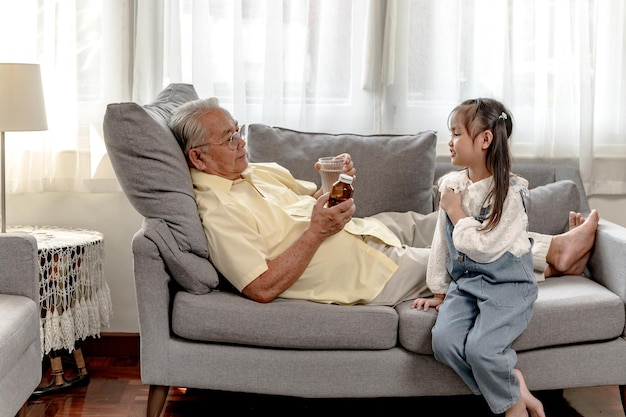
(21, 98)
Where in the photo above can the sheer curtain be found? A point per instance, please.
(296, 64)
(363, 66)
(559, 65)
(83, 49)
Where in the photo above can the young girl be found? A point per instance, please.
(481, 261)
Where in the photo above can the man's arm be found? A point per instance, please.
(286, 268)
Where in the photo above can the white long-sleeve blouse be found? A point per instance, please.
(510, 235)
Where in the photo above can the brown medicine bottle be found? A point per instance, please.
(341, 191)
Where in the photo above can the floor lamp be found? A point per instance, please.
(21, 108)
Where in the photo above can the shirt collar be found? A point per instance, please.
(215, 182)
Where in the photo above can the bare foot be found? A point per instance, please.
(569, 252)
(532, 404)
(575, 219)
(517, 410)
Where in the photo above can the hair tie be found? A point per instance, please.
(503, 116)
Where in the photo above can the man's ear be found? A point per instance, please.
(486, 137)
(196, 159)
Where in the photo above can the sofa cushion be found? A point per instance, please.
(394, 172)
(189, 270)
(568, 310)
(291, 324)
(19, 329)
(548, 206)
(154, 175)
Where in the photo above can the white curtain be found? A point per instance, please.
(284, 62)
(363, 66)
(83, 49)
(558, 64)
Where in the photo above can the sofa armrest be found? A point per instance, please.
(153, 288)
(19, 265)
(607, 264)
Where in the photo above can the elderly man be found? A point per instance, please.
(272, 235)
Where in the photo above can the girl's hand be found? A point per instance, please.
(451, 202)
(425, 303)
(450, 199)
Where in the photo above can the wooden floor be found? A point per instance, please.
(114, 389)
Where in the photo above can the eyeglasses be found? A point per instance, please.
(233, 140)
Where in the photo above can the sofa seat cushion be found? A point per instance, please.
(19, 329)
(568, 310)
(227, 317)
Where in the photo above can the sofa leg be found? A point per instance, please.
(23, 410)
(156, 399)
(622, 394)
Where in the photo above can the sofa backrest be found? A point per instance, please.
(393, 172)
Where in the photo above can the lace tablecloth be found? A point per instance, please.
(74, 296)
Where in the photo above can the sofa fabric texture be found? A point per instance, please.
(203, 335)
(548, 205)
(20, 341)
(283, 323)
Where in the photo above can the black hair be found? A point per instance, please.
(477, 116)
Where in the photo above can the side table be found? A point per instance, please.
(74, 296)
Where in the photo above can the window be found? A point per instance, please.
(361, 66)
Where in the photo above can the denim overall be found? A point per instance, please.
(487, 306)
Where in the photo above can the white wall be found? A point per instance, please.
(611, 208)
(113, 215)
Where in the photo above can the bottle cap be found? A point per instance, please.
(345, 178)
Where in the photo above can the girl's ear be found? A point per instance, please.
(486, 137)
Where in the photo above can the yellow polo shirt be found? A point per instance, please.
(252, 220)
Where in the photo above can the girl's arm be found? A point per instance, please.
(509, 235)
(437, 276)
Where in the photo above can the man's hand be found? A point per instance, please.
(348, 168)
(326, 221)
(348, 165)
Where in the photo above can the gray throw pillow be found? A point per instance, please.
(394, 172)
(194, 273)
(154, 175)
(548, 206)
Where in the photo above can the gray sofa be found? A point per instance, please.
(20, 342)
(196, 332)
